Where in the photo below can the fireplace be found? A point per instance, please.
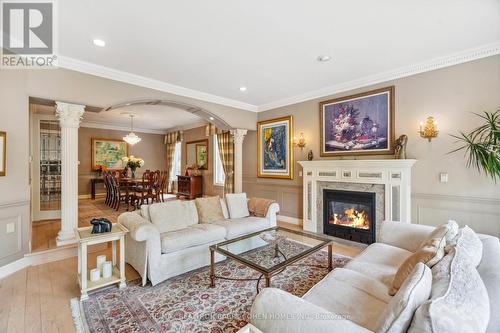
(349, 215)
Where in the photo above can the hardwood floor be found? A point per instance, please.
(37, 299)
(44, 233)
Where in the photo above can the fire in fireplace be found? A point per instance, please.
(349, 215)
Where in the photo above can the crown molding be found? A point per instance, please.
(426, 66)
(90, 124)
(142, 81)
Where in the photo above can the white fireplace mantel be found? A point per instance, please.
(394, 174)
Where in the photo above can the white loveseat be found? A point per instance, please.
(353, 298)
(166, 239)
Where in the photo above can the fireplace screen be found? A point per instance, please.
(349, 215)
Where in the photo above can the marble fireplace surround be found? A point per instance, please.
(378, 189)
(389, 179)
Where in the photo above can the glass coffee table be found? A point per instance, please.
(269, 251)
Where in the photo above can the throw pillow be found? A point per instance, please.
(209, 209)
(430, 253)
(446, 232)
(145, 212)
(470, 244)
(459, 299)
(400, 309)
(237, 205)
(224, 208)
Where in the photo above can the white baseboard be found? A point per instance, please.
(288, 219)
(38, 258)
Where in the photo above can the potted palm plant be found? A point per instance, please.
(482, 145)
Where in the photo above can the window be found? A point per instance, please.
(219, 176)
(176, 167)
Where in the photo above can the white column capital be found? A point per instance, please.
(69, 115)
(239, 135)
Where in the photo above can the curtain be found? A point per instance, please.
(170, 140)
(226, 152)
(211, 129)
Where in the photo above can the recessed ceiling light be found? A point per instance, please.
(211, 118)
(243, 89)
(323, 58)
(99, 42)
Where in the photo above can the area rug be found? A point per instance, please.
(186, 303)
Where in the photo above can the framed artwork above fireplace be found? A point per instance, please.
(359, 124)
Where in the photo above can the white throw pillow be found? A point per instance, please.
(470, 245)
(415, 291)
(173, 215)
(459, 299)
(237, 205)
(225, 212)
(145, 212)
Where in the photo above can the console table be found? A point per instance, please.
(94, 181)
(190, 187)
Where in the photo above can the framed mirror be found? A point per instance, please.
(197, 153)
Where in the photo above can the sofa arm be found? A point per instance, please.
(276, 311)
(272, 211)
(407, 236)
(140, 229)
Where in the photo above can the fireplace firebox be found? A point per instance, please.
(349, 215)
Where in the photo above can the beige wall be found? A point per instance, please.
(195, 134)
(449, 94)
(16, 86)
(151, 149)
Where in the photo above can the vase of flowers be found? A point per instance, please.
(133, 163)
(99, 169)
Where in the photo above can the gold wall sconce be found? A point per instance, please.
(301, 143)
(428, 130)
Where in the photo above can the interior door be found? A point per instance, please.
(46, 168)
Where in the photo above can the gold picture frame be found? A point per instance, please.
(3, 153)
(275, 148)
(372, 108)
(192, 148)
(108, 152)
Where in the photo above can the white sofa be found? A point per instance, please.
(166, 239)
(353, 298)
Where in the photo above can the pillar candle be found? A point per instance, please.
(107, 269)
(95, 274)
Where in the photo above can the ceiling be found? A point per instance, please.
(147, 118)
(209, 49)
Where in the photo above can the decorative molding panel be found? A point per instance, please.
(14, 242)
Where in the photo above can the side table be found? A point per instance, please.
(85, 239)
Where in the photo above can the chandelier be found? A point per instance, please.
(131, 138)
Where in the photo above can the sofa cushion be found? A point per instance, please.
(237, 205)
(379, 261)
(209, 209)
(430, 253)
(490, 274)
(242, 226)
(445, 232)
(194, 235)
(344, 298)
(462, 305)
(173, 215)
(145, 212)
(414, 291)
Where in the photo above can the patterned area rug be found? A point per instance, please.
(186, 303)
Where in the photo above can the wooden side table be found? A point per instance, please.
(85, 239)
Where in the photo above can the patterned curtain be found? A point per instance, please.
(170, 140)
(226, 152)
(211, 129)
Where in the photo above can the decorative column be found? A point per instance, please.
(69, 116)
(238, 137)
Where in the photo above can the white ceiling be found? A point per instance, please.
(208, 49)
(148, 118)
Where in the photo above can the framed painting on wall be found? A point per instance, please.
(108, 153)
(275, 148)
(359, 124)
(201, 156)
(3, 153)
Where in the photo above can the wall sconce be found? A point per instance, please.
(429, 129)
(301, 143)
